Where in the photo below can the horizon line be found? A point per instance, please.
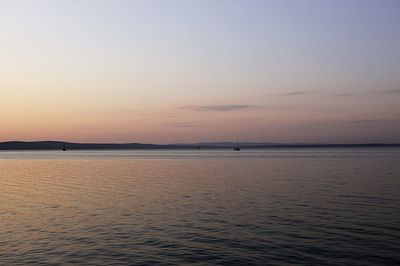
(201, 143)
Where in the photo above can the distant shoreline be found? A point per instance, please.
(58, 145)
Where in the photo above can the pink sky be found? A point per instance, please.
(265, 71)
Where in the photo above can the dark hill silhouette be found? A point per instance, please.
(58, 145)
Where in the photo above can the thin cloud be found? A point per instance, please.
(383, 92)
(218, 108)
(293, 93)
(349, 122)
(343, 95)
(363, 121)
(393, 91)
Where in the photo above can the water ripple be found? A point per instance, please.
(318, 207)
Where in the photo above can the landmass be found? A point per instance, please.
(58, 145)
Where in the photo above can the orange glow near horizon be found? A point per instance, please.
(189, 72)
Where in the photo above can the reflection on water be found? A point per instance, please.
(277, 207)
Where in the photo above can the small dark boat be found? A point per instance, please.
(237, 148)
(64, 148)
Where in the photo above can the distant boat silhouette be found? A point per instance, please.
(237, 148)
(64, 148)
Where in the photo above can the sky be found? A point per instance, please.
(308, 71)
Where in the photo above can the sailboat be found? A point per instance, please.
(64, 148)
(237, 148)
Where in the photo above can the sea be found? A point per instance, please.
(298, 206)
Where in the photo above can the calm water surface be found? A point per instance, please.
(261, 207)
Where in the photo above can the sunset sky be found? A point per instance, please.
(323, 71)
